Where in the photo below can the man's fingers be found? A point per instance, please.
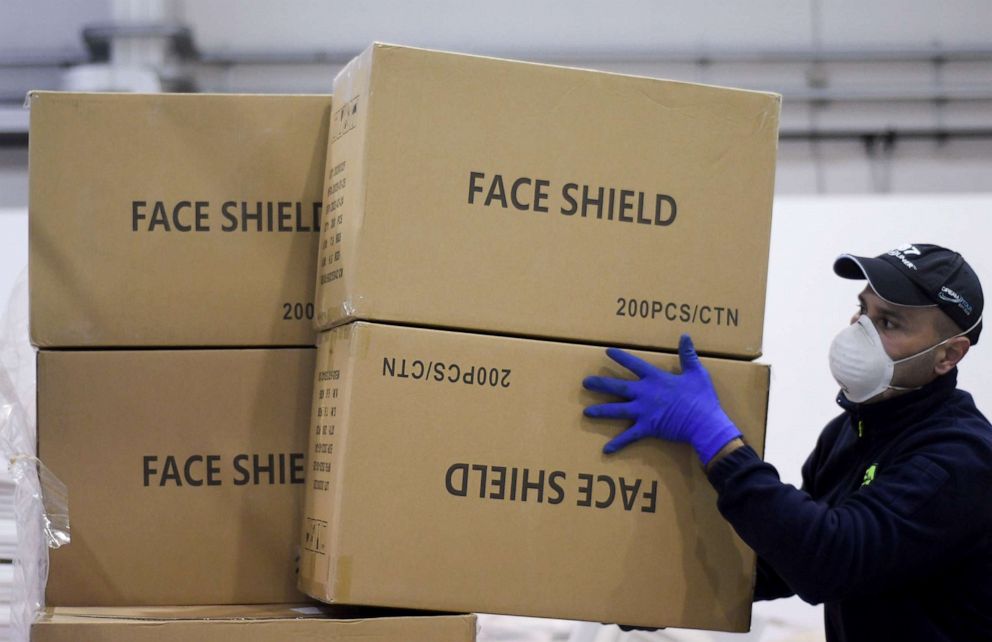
(638, 366)
(688, 358)
(624, 439)
(609, 385)
(612, 411)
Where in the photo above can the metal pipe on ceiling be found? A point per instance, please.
(98, 35)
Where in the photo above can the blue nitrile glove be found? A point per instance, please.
(664, 405)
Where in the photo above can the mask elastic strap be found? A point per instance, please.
(934, 347)
(960, 334)
(904, 388)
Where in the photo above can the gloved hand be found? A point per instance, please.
(667, 406)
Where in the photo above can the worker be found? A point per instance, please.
(892, 528)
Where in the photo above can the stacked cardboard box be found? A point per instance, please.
(184, 470)
(271, 623)
(172, 245)
(489, 225)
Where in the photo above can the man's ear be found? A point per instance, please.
(951, 353)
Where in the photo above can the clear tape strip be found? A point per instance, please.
(31, 475)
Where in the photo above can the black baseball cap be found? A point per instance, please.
(924, 276)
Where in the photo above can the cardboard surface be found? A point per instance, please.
(174, 220)
(516, 198)
(248, 624)
(184, 471)
(455, 471)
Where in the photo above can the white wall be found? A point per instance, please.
(13, 250)
(13, 179)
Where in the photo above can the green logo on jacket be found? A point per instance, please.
(869, 475)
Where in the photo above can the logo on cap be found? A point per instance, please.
(949, 295)
(903, 251)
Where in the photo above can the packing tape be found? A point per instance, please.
(348, 309)
(352, 308)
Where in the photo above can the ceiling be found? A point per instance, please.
(524, 28)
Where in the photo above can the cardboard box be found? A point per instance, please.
(184, 470)
(249, 624)
(174, 220)
(456, 471)
(515, 198)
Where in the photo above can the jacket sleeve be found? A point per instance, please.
(768, 584)
(895, 529)
(827, 436)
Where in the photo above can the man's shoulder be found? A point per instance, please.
(958, 436)
(960, 417)
(963, 405)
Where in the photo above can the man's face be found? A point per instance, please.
(904, 331)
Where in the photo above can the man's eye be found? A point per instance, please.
(888, 324)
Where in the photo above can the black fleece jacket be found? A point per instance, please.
(892, 529)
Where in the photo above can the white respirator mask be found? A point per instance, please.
(861, 366)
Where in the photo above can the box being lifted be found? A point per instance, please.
(172, 220)
(184, 471)
(456, 471)
(515, 198)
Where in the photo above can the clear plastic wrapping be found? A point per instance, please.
(41, 508)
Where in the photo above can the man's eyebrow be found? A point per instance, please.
(894, 312)
(890, 310)
(885, 308)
